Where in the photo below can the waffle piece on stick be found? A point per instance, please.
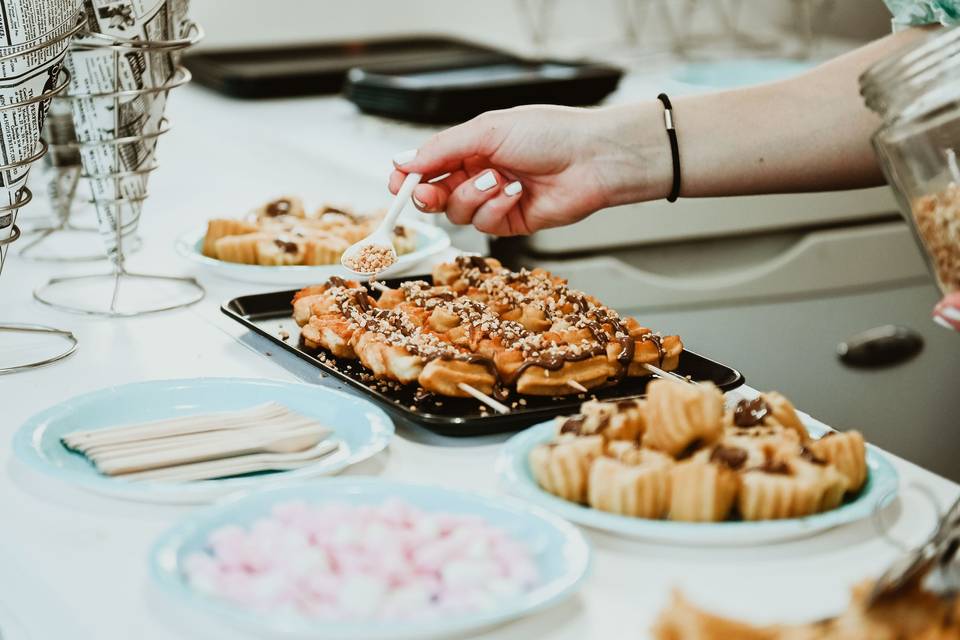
(385, 359)
(304, 299)
(464, 271)
(400, 344)
(552, 377)
(331, 332)
(661, 351)
(444, 376)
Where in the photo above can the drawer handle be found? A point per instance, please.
(880, 347)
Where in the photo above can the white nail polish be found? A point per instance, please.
(404, 157)
(419, 204)
(486, 181)
(513, 188)
(950, 313)
(943, 323)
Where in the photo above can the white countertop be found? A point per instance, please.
(73, 565)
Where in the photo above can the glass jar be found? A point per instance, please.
(892, 84)
(917, 94)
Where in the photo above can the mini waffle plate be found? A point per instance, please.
(269, 314)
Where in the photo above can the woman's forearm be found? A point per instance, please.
(807, 133)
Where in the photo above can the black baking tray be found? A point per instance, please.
(445, 94)
(318, 69)
(269, 314)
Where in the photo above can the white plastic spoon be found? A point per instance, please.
(383, 234)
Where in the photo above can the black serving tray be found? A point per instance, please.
(441, 93)
(321, 68)
(269, 314)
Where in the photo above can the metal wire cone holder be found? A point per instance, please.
(154, 292)
(10, 232)
(47, 240)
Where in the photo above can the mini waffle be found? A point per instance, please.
(677, 455)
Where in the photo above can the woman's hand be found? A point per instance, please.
(520, 170)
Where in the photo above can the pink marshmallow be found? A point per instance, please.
(339, 561)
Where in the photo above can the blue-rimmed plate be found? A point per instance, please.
(561, 553)
(515, 476)
(431, 240)
(361, 428)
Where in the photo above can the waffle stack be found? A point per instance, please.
(283, 233)
(679, 455)
(479, 324)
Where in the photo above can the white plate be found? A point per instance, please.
(360, 427)
(561, 554)
(515, 476)
(431, 240)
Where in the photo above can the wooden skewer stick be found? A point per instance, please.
(667, 375)
(499, 407)
(573, 384)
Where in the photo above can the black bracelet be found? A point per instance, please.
(674, 147)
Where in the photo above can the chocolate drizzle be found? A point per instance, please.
(810, 456)
(750, 413)
(731, 457)
(360, 300)
(473, 262)
(421, 396)
(690, 449)
(355, 219)
(496, 294)
(775, 467)
(657, 340)
(288, 247)
(573, 424)
(279, 207)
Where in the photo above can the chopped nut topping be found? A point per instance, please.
(371, 258)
